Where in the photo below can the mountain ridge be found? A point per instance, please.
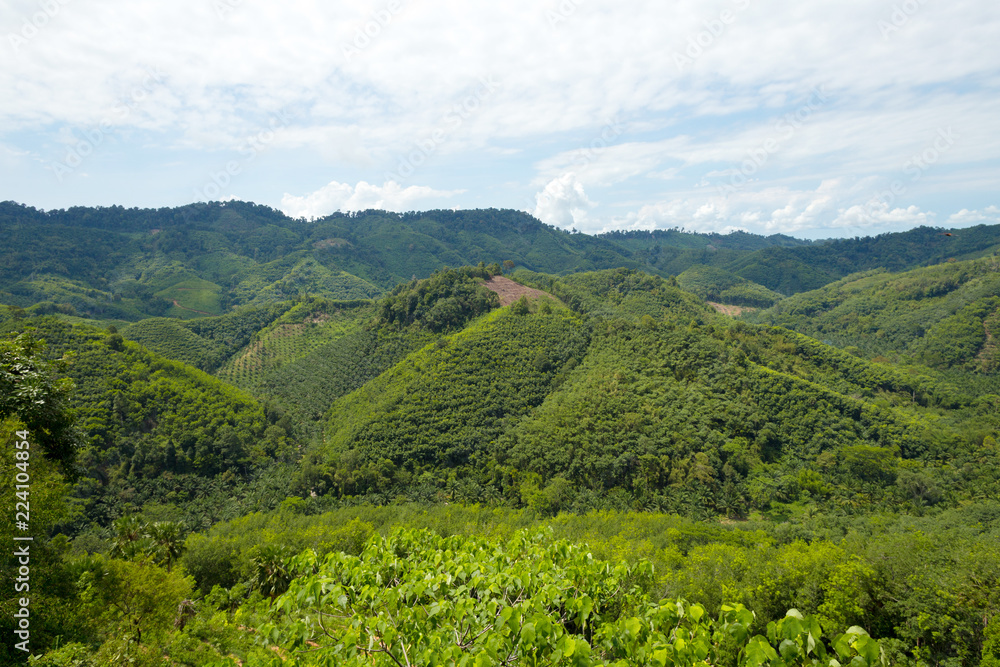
(113, 263)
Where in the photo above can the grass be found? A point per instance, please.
(193, 298)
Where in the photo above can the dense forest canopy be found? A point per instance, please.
(209, 259)
(229, 410)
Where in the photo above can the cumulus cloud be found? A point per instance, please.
(563, 202)
(773, 210)
(183, 82)
(344, 197)
(966, 218)
(878, 213)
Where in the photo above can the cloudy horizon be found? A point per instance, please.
(815, 120)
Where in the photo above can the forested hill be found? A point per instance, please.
(770, 469)
(946, 316)
(788, 266)
(638, 394)
(611, 389)
(208, 259)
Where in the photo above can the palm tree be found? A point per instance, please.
(167, 541)
(270, 570)
(130, 538)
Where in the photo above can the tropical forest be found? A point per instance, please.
(465, 437)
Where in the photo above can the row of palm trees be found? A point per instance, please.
(163, 543)
(134, 539)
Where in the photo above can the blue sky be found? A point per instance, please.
(815, 119)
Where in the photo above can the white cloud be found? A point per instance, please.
(220, 76)
(773, 210)
(563, 203)
(966, 218)
(880, 214)
(343, 197)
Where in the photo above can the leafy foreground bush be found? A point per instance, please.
(415, 598)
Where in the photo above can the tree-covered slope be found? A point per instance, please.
(441, 406)
(791, 270)
(318, 351)
(673, 251)
(205, 343)
(207, 259)
(945, 316)
(860, 493)
(714, 284)
(156, 430)
(642, 396)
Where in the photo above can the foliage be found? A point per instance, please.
(134, 603)
(31, 390)
(416, 598)
(443, 302)
(789, 270)
(38, 445)
(317, 352)
(939, 315)
(715, 284)
(129, 263)
(154, 429)
(204, 343)
(443, 404)
(796, 475)
(160, 541)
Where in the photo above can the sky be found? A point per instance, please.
(816, 119)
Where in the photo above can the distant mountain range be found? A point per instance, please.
(207, 259)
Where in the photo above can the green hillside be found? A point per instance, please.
(792, 270)
(714, 284)
(642, 397)
(205, 343)
(672, 251)
(317, 352)
(156, 431)
(321, 350)
(278, 430)
(440, 406)
(788, 266)
(945, 316)
(208, 259)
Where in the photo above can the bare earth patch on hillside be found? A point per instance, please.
(989, 356)
(200, 312)
(509, 291)
(732, 311)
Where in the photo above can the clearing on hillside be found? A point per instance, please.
(731, 311)
(509, 291)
